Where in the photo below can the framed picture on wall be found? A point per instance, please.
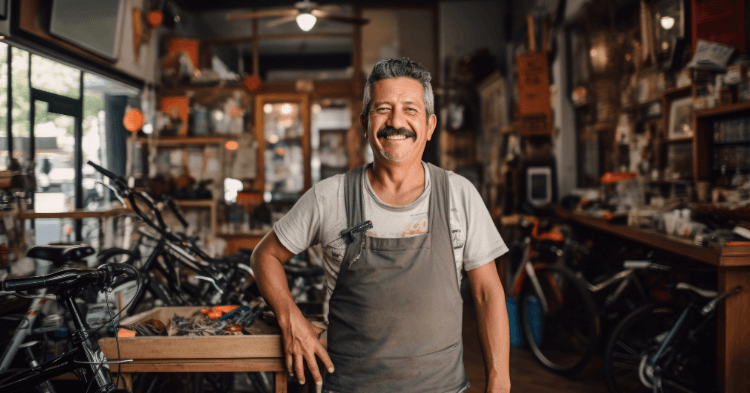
(680, 118)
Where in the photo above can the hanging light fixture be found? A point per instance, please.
(306, 21)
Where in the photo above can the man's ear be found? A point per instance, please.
(363, 123)
(431, 123)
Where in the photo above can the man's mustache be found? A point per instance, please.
(390, 131)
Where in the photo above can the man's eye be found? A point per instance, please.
(383, 109)
(411, 110)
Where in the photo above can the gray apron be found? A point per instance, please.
(395, 315)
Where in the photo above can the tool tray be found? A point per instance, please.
(260, 340)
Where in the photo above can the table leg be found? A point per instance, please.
(280, 381)
(734, 331)
(126, 381)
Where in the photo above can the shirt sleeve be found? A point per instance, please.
(299, 229)
(483, 241)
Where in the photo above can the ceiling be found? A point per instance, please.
(204, 5)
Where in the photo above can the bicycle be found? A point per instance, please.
(85, 359)
(220, 281)
(659, 348)
(557, 313)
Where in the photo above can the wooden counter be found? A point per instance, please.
(733, 264)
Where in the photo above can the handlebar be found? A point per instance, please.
(176, 211)
(103, 274)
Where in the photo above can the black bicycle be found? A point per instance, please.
(85, 359)
(219, 281)
(660, 348)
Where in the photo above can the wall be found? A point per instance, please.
(466, 26)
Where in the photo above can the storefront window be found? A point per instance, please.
(51, 76)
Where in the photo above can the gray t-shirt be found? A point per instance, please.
(320, 216)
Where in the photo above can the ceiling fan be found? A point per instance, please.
(306, 13)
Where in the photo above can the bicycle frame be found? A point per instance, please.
(82, 357)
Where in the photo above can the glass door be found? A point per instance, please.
(283, 127)
(56, 126)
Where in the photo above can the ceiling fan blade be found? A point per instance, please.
(338, 18)
(261, 14)
(281, 21)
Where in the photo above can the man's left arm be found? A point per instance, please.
(492, 322)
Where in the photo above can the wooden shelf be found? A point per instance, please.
(678, 140)
(722, 110)
(195, 203)
(256, 233)
(188, 140)
(74, 214)
(678, 91)
(672, 244)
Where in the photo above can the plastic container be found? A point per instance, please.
(514, 321)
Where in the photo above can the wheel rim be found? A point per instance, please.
(567, 328)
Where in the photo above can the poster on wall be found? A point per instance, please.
(534, 100)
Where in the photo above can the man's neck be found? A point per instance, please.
(397, 185)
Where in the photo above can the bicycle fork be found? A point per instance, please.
(24, 328)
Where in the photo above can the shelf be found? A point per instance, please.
(195, 203)
(722, 110)
(255, 233)
(188, 140)
(202, 90)
(678, 140)
(745, 142)
(678, 91)
(74, 214)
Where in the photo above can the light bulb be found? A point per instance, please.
(306, 21)
(667, 22)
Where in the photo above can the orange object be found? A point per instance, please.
(215, 314)
(177, 106)
(614, 177)
(231, 145)
(133, 120)
(125, 333)
(735, 244)
(205, 311)
(608, 216)
(233, 328)
(235, 111)
(155, 18)
(223, 309)
(252, 83)
(178, 45)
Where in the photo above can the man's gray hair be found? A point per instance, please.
(399, 68)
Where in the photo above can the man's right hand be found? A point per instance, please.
(300, 337)
(301, 344)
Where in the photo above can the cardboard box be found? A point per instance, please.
(264, 341)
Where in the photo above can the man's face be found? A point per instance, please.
(398, 127)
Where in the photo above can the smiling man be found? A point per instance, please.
(397, 234)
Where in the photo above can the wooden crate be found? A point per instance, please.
(263, 342)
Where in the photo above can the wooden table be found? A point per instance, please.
(275, 365)
(259, 349)
(733, 264)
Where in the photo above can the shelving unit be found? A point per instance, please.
(704, 135)
(211, 204)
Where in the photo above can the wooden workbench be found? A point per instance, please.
(733, 265)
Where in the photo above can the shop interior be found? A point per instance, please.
(609, 141)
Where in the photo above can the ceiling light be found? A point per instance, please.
(306, 21)
(667, 22)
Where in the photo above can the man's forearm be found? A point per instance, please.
(272, 282)
(492, 322)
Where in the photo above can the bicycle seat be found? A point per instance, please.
(304, 271)
(702, 292)
(59, 254)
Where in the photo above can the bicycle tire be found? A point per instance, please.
(568, 326)
(633, 340)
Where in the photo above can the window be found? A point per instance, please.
(51, 124)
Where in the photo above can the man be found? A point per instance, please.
(395, 308)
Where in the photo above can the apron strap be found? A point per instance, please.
(353, 205)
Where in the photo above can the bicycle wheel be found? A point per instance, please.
(562, 336)
(634, 340)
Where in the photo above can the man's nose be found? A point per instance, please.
(397, 119)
